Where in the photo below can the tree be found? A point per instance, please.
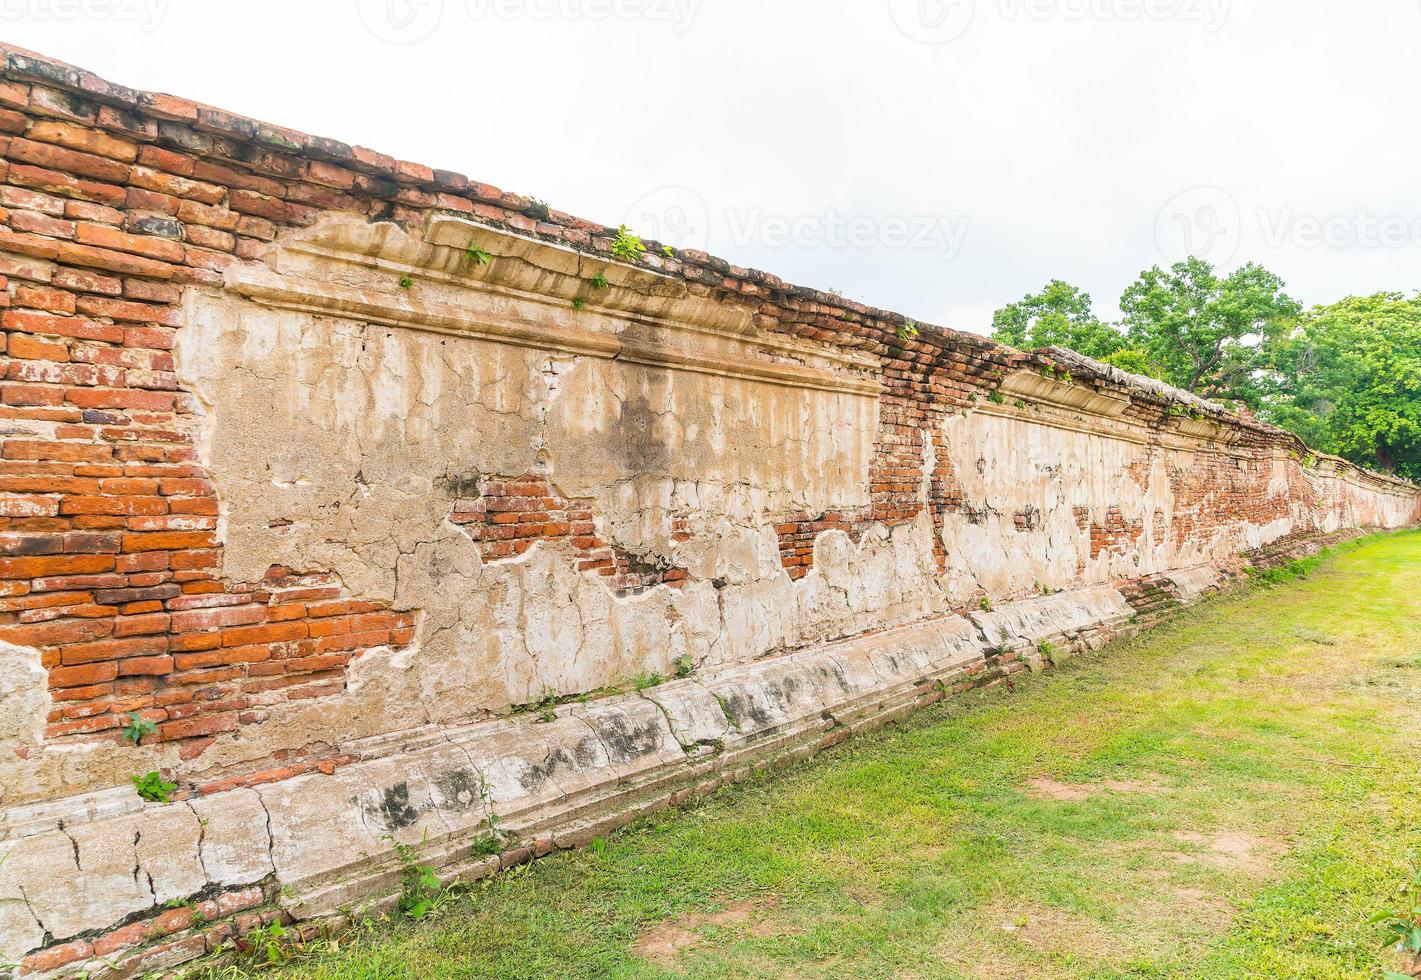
(1205, 333)
(1060, 315)
(1348, 380)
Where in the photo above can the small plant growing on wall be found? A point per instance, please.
(153, 787)
(492, 840)
(986, 604)
(406, 282)
(627, 246)
(477, 255)
(997, 398)
(907, 330)
(547, 706)
(137, 728)
(268, 944)
(599, 281)
(668, 251)
(579, 305)
(684, 665)
(420, 887)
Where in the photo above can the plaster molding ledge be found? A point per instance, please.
(523, 295)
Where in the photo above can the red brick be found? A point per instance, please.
(41, 298)
(47, 960)
(129, 935)
(30, 321)
(155, 666)
(102, 258)
(54, 565)
(175, 186)
(161, 159)
(107, 237)
(84, 674)
(202, 619)
(263, 633)
(134, 646)
(79, 138)
(198, 726)
(141, 624)
(68, 161)
(41, 224)
(57, 182)
(117, 309)
(23, 346)
(56, 633)
(167, 541)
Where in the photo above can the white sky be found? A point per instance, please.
(981, 147)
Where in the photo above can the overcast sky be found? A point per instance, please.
(935, 158)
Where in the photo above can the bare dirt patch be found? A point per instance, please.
(1050, 789)
(1232, 849)
(665, 941)
(1042, 788)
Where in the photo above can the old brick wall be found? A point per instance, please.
(125, 220)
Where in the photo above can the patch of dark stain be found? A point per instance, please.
(394, 807)
(634, 438)
(742, 707)
(462, 485)
(627, 742)
(462, 788)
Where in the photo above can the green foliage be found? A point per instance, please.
(137, 728)
(1403, 923)
(668, 251)
(268, 944)
(493, 840)
(152, 787)
(420, 887)
(986, 604)
(906, 330)
(644, 680)
(579, 304)
(1058, 316)
(547, 705)
(684, 665)
(477, 255)
(599, 281)
(406, 282)
(1206, 332)
(1348, 381)
(627, 246)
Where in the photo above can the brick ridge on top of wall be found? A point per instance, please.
(111, 201)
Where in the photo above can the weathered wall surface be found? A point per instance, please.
(321, 463)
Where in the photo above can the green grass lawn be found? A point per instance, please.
(1231, 795)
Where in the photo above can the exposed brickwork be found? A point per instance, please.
(203, 925)
(1152, 597)
(510, 514)
(797, 532)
